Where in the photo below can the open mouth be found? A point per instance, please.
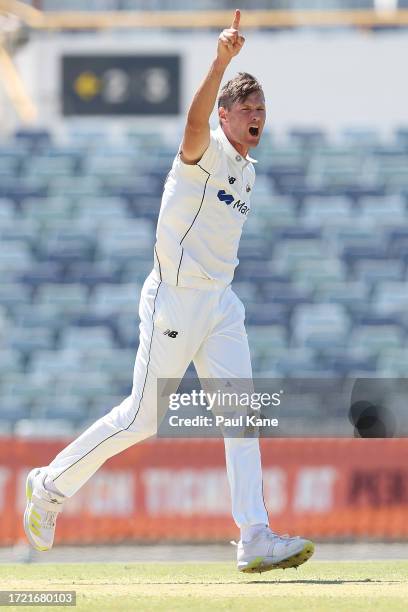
(254, 131)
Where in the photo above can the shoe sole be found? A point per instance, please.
(26, 522)
(261, 564)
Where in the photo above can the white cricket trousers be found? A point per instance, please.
(211, 333)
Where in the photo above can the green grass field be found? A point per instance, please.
(316, 586)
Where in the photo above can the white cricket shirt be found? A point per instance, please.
(203, 209)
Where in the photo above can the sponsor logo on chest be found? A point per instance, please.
(229, 200)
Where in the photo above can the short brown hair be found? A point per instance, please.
(237, 89)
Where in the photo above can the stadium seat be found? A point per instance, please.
(136, 270)
(26, 315)
(383, 211)
(18, 191)
(361, 137)
(9, 166)
(90, 210)
(307, 138)
(79, 337)
(293, 361)
(257, 271)
(75, 186)
(92, 386)
(253, 247)
(121, 247)
(347, 365)
(286, 293)
(92, 274)
(320, 325)
(391, 297)
(34, 139)
(376, 338)
(124, 298)
(24, 387)
(128, 329)
(50, 166)
(100, 406)
(107, 165)
(397, 245)
(393, 362)
(352, 294)
(117, 364)
(12, 409)
(65, 407)
(295, 250)
(262, 313)
(26, 340)
(42, 272)
(142, 230)
(7, 210)
(68, 298)
(15, 257)
(44, 428)
(319, 211)
(13, 294)
(21, 230)
(63, 247)
(245, 290)
(10, 361)
(57, 361)
(262, 337)
(373, 271)
(315, 273)
(45, 209)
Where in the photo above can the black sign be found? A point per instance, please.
(121, 84)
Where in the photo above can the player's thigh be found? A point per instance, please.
(223, 365)
(225, 351)
(166, 348)
(169, 337)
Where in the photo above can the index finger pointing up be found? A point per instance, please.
(235, 21)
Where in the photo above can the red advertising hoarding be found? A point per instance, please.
(178, 490)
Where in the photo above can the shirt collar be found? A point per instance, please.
(230, 150)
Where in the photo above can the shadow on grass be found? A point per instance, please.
(266, 581)
(316, 581)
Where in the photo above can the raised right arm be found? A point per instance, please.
(197, 131)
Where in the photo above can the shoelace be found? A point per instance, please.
(270, 535)
(285, 536)
(49, 520)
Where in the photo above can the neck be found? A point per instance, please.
(242, 149)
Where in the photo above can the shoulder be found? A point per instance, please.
(209, 160)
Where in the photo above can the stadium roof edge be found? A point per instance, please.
(270, 19)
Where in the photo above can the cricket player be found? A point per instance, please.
(188, 312)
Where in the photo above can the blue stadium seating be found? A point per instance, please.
(323, 264)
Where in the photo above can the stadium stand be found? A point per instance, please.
(323, 271)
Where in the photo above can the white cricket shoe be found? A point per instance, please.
(41, 512)
(267, 551)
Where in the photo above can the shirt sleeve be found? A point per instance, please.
(210, 158)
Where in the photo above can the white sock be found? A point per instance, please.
(249, 532)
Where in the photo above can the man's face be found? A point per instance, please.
(244, 121)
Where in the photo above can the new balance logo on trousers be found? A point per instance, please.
(170, 333)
